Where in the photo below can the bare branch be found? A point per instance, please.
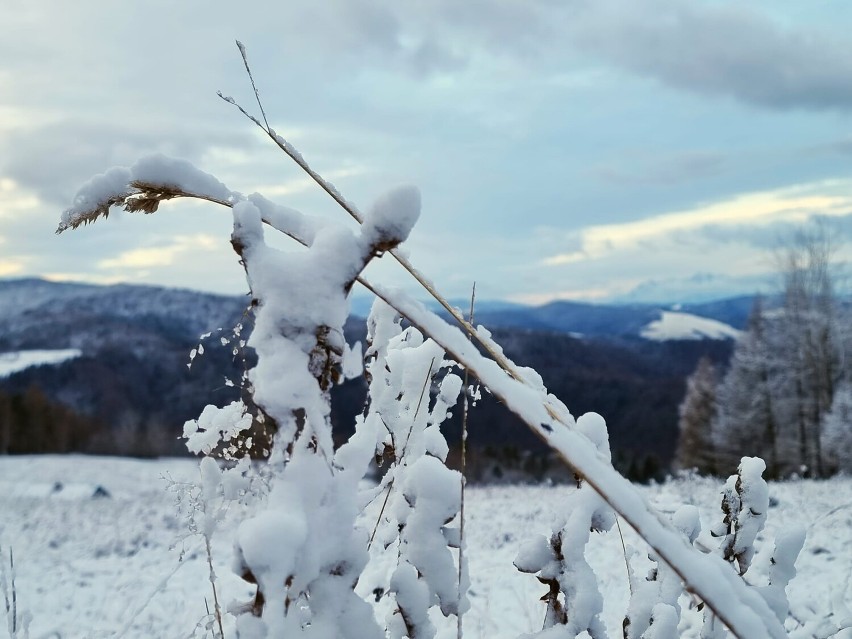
(242, 49)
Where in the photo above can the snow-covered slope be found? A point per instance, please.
(37, 314)
(125, 564)
(674, 325)
(15, 361)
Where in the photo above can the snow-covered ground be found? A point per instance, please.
(13, 362)
(124, 563)
(676, 325)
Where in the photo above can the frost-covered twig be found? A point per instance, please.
(17, 624)
(303, 550)
(142, 187)
(422, 498)
(654, 610)
(745, 501)
(574, 601)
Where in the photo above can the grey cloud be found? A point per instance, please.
(54, 160)
(768, 237)
(717, 49)
(695, 288)
(711, 48)
(662, 170)
(346, 37)
(838, 147)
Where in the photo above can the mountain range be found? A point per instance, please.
(125, 355)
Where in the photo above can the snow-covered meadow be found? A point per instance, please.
(124, 563)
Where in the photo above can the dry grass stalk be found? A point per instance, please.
(465, 413)
(101, 210)
(217, 608)
(144, 197)
(504, 363)
(10, 595)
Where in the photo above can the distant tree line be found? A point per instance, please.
(31, 423)
(787, 393)
(135, 404)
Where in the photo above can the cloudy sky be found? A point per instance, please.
(582, 149)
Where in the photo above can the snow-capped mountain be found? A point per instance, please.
(674, 325)
(37, 314)
(15, 361)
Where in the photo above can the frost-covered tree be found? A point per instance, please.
(696, 448)
(747, 420)
(837, 431)
(809, 328)
(786, 368)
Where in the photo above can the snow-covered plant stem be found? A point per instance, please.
(17, 624)
(654, 610)
(422, 494)
(304, 550)
(210, 479)
(745, 503)
(744, 612)
(574, 602)
(466, 399)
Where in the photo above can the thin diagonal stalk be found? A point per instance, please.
(465, 412)
(353, 212)
(253, 85)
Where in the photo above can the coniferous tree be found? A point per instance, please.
(696, 448)
(747, 421)
(808, 328)
(786, 368)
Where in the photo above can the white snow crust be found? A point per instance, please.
(392, 216)
(94, 568)
(156, 169)
(675, 325)
(16, 361)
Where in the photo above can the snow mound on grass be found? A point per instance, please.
(17, 361)
(674, 325)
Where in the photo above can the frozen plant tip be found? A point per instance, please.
(17, 623)
(574, 602)
(141, 188)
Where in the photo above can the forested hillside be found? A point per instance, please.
(131, 389)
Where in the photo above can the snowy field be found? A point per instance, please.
(125, 564)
